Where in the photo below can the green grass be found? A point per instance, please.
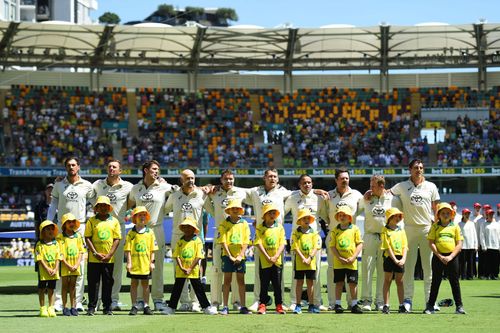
(19, 313)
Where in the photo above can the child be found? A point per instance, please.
(270, 240)
(188, 252)
(140, 245)
(346, 244)
(489, 237)
(47, 255)
(305, 244)
(395, 246)
(445, 240)
(72, 250)
(234, 237)
(102, 235)
(467, 256)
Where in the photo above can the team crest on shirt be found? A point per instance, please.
(266, 202)
(225, 202)
(50, 256)
(72, 251)
(147, 196)
(306, 246)
(416, 199)
(112, 197)
(72, 195)
(344, 243)
(103, 235)
(187, 207)
(187, 253)
(235, 238)
(378, 211)
(141, 246)
(271, 241)
(397, 245)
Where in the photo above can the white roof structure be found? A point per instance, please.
(195, 49)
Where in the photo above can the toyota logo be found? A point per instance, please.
(111, 196)
(72, 195)
(187, 207)
(147, 197)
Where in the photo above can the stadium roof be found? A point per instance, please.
(251, 48)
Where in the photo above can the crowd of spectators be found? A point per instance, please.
(17, 250)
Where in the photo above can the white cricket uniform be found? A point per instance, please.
(417, 208)
(328, 211)
(470, 241)
(295, 202)
(489, 235)
(71, 198)
(183, 205)
(217, 204)
(372, 256)
(258, 197)
(153, 198)
(118, 195)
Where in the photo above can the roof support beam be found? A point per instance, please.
(8, 37)
(195, 52)
(103, 46)
(481, 46)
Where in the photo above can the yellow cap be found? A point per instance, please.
(305, 213)
(140, 209)
(344, 209)
(445, 205)
(46, 223)
(190, 222)
(391, 212)
(269, 207)
(104, 200)
(234, 203)
(70, 217)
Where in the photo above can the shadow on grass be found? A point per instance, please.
(487, 296)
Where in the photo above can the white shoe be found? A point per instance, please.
(159, 305)
(185, 307)
(407, 305)
(366, 307)
(285, 307)
(58, 307)
(211, 310)
(140, 305)
(437, 308)
(115, 306)
(236, 306)
(292, 307)
(254, 307)
(79, 307)
(195, 307)
(379, 306)
(323, 308)
(167, 310)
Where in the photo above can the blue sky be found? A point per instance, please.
(315, 13)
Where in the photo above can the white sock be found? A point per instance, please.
(338, 302)
(354, 302)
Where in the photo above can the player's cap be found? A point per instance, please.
(305, 214)
(269, 207)
(344, 209)
(466, 211)
(391, 212)
(49, 185)
(189, 221)
(477, 204)
(498, 205)
(453, 203)
(486, 207)
(69, 217)
(234, 203)
(105, 201)
(489, 211)
(445, 205)
(140, 209)
(46, 223)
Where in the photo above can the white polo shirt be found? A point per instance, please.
(153, 198)
(299, 200)
(117, 194)
(183, 205)
(258, 197)
(417, 202)
(219, 200)
(350, 198)
(375, 211)
(71, 198)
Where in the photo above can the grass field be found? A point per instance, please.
(19, 313)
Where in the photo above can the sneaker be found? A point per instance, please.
(407, 304)
(313, 309)
(236, 306)
(107, 312)
(366, 306)
(185, 307)
(292, 307)
(90, 312)
(73, 312)
(115, 306)
(437, 308)
(379, 306)
(279, 309)
(51, 311)
(147, 311)
(58, 307)
(338, 308)
(167, 310)
(140, 305)
(356, 309)
(210, 310)
(323, 308)
(385, 309)
(254, 307)
(429, 310)
(203, 280)
(262, 309)
(79, 307)
(133, 311)
(196, 308)
(298, 309)
(43, 311)
(245, 310)
(402, 309)
(158, 305)
(224, 311)
(460, 310)
(66, 312)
